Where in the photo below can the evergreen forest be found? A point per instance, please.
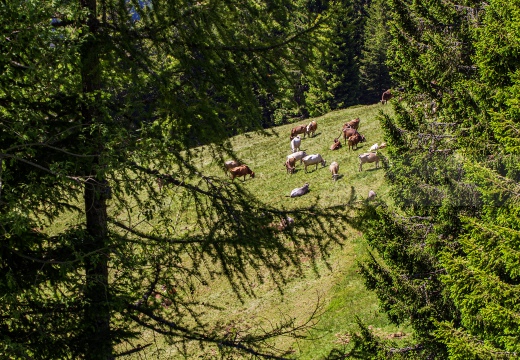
(116, 117)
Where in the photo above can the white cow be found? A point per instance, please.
(368, 158)
(314, 159)
(299, 155)
(300, 191)
(295, 144)
(334, 168)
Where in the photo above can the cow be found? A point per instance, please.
(354, 140)
(336, 145)
(334, 168)
(352, 124)
(375, 147)
(295, 144)
(290, 165)
(230, 164)
(371, 195)
(314, 159)
(311, 128)
(369, 157)
(348, 132)
(387, 95)
(300, 191)
(241, 170)
(299, 155)
(300, 129)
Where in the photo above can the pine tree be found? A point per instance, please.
(99, 100)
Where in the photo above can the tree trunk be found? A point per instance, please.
(97, 336)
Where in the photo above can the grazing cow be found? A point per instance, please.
(387, 95)
(371, 195)
(231, 164)
(241, 170)
(336, 145)
(348, 132)
(299, 155)
(354, 140)
(368, 158)
(314, 159)
(295, 144)
(300, 129)
(352, 124)
(311, 128)
(290, 165)
(334, 168)
(300, 191)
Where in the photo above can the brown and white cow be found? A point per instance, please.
(311, 128)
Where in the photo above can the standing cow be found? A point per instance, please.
(299, 155)
(295, 144)
(314, 159)
(387, 95)
(311, 128)
(241, 170)
(368, 158)
(300, 129)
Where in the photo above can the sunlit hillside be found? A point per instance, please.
(333, 285)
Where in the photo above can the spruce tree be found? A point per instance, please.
(100, 100)
(375, 77)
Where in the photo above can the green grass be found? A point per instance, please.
(334, 282)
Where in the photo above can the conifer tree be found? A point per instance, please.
(99, 100)
(430, 56)
(375, 77)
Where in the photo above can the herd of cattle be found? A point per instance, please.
(351, 137)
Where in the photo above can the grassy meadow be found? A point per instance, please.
(334, 282)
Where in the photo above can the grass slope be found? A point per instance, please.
(335, 281)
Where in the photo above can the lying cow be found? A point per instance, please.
(368, 158)
(241, 170)
(300, 191)
(336, 145)
(314, 159)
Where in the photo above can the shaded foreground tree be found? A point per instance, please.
(98, 101)
(447, 256)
